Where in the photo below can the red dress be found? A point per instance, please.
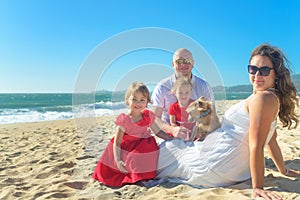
(181, 115)
(139, 152)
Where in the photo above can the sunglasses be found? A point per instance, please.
(263, 71)
(183, 61)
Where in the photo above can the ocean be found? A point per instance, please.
(30, 107)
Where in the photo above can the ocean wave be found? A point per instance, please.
(8, 116)
(18, 108)
(25, 115)
(110, 105)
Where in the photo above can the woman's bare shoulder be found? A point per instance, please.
(264, 100)
(264, 96)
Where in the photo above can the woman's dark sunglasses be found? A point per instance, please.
(263, 71)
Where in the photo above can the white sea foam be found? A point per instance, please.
(17, 116)
(8, 116)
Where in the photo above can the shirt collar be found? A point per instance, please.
(173, 78)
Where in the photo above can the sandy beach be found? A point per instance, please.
(55, 160)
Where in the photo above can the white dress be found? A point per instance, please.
(222, 159)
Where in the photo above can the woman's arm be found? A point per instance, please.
(262, 108)
(117, 149)
(276, 155)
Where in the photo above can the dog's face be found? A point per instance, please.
(198, 108)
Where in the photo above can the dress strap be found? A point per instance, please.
(272, 90)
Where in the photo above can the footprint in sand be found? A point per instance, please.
(13, 180)
(58, 195)
(79, 185)
(46, 174)
(66, 165)
(15, 154)
(35, 147)
(84, 157)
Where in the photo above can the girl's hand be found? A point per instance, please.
(292, 173)
(181, 132)
(121, 166)
(266, 194)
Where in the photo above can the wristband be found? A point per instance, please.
(286, 171)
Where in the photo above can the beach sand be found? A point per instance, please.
(55, 160)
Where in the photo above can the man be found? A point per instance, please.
(162, 96)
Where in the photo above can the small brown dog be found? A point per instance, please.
(202, 112)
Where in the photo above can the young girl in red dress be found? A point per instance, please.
(182, 89)
(131, 155)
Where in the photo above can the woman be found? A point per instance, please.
(234, 152)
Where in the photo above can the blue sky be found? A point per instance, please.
(44, 44)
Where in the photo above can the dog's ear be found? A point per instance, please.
(202, 98)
